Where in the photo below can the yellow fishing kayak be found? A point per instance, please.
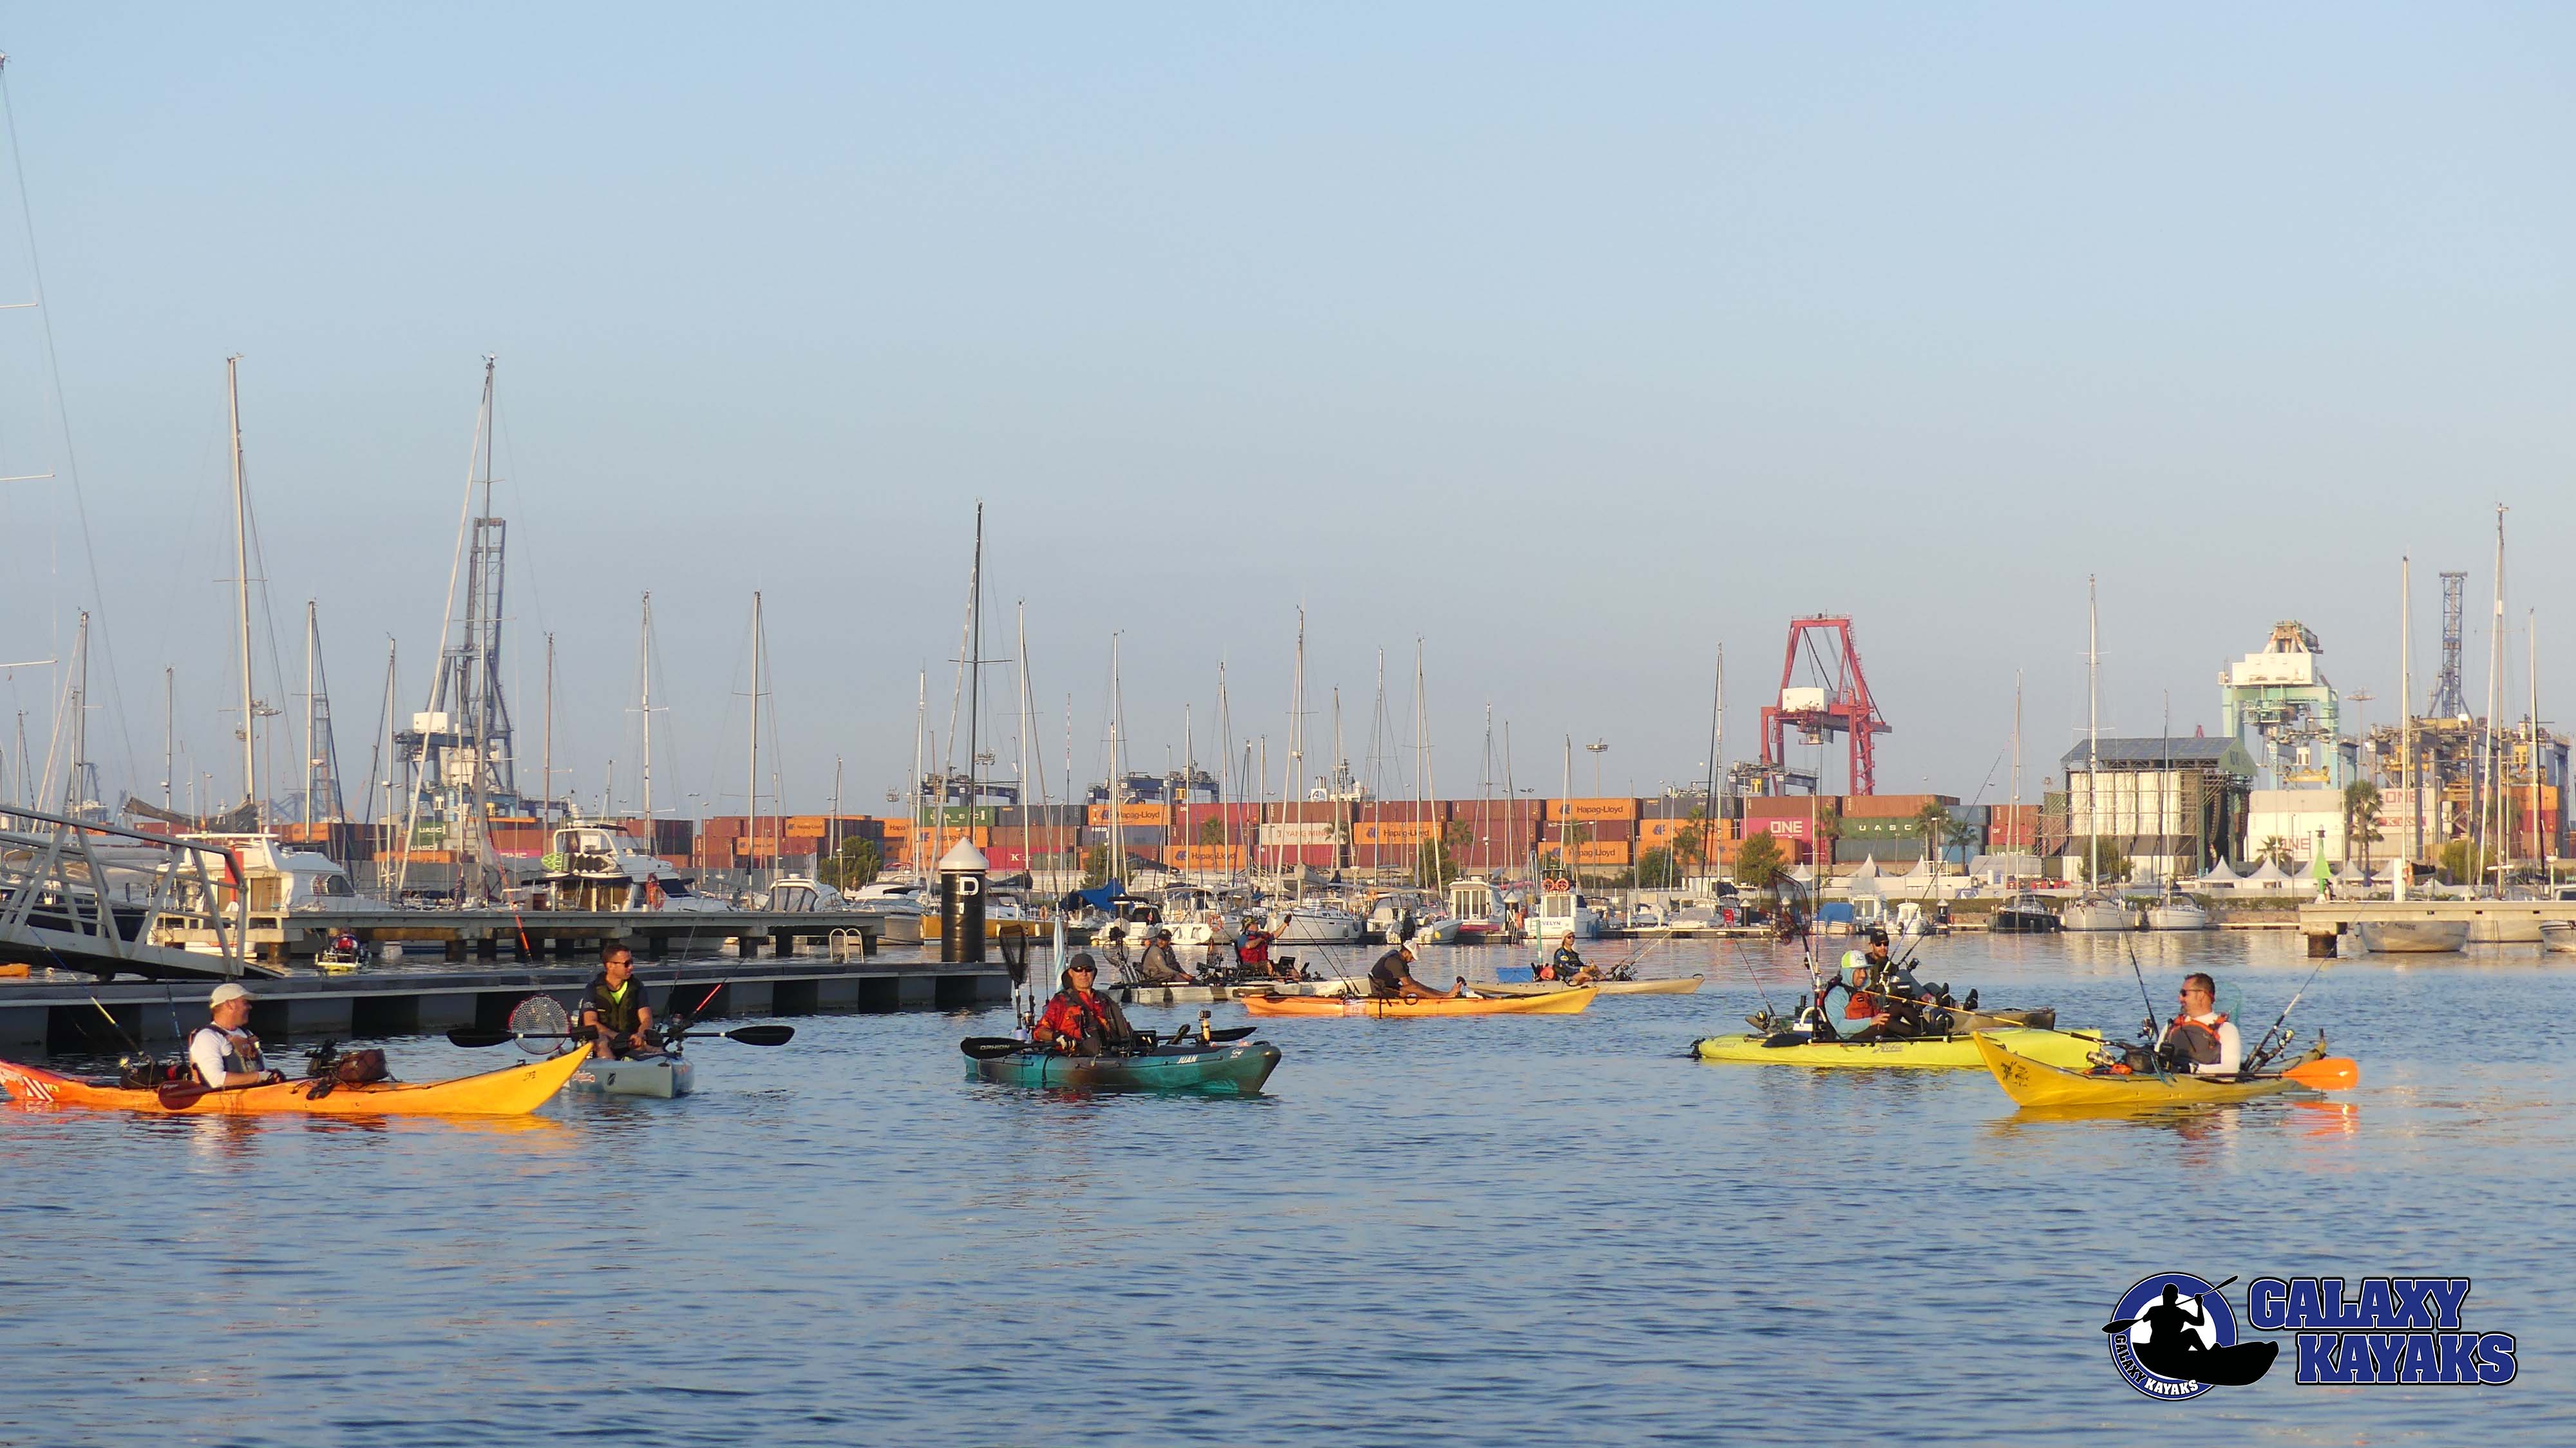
(2068, 1048)
(510, 1091)
(2039, 1083)
(1562, 1003)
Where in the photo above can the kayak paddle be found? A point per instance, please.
(2126, 1322)
(470, 1036)
(2334, 1073)
(180, 1095)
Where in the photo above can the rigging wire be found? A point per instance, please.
(63, 419)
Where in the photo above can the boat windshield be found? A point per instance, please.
(676, 889)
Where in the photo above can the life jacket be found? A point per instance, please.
(241, 1051)
(620, 1011)
(1077, 1017)
(2195, 1040)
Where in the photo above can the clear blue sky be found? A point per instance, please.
(1571, 342)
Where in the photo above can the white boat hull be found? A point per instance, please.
(2097, 916)
(1325, 927)
(2177, 915)
(2413, 937)
(2558, 936)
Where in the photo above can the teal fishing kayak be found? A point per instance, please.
(1220, 1070)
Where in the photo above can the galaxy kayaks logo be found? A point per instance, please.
(2173, 1336)
(2392, 1330)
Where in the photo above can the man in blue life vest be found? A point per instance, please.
(2200, 1038)
(226, 1053)
(615, 1012)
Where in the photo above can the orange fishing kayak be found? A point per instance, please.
(1560, 1003)
(510, 1091)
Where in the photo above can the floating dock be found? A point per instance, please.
(64, 1013)
(2491, 922)
(460, 935)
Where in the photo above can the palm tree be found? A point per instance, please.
(2360, 819)
(1932, 822)
(1962, 836)
(2276, 850)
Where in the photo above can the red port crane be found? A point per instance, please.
(1837, 703)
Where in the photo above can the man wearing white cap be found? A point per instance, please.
(226, 1053)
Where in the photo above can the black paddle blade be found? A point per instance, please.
(473, 1036)
(989, 1048)
(1233, 1033)
(762, 1035)
(179, 1096)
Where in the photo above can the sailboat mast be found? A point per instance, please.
(169, 730)
(751, 774)
(1117, 773)
(546, 791)
(644, 649)
(974, 669)
(2531, 736)
(2014, 835)
(2093, 732)
(1028, 722)
(2406, 720)
(2490, 812)
(241, 584)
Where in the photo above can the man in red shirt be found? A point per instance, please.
(1081, 1021)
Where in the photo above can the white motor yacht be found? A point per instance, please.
(601, 867)
(1564, 912)
(1319, 922)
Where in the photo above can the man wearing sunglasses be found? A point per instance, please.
(2200, 1038)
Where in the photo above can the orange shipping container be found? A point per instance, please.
(1393, 832)
(1591, 809)
(1129, 815)
(1602, 852)
(1204, 857)
(1892, 806)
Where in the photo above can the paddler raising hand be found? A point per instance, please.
(2200, 1036)
(1079, 1020)
(226, 1053)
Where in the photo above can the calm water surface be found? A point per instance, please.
(1465, 1231)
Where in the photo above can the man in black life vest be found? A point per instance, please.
(1392, 979)
(2200, 1038)
(615, 1011)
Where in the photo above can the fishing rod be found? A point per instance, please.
(2155, 1031)
(2256, 1057)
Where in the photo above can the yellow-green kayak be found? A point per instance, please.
(2036, 1081)
(2071, 1048)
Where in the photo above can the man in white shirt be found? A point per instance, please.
(226, 1053)
(2200, 1036)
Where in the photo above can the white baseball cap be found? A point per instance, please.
(229, 992)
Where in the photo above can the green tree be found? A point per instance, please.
(1690, 842)
(859, 863)
(2100, 858)
(1212, 832)
(1435, 861)
(1962, 836)
(1657, 869)
(1932, 822)
(2275, 849)
(2360, 819)
(1095, 867)
(2463, 862)
(1759, 863)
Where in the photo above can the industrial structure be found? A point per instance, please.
(2174, 807)
(2282, 696)
(1836, 700)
